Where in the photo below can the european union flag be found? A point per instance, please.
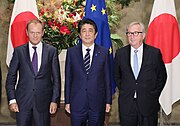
(96, 10)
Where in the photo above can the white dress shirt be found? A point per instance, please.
(140, 56)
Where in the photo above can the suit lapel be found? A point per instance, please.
(145, 57)
(129, 58)
(80, 56)
(95, 56)
(44, 58)
(27, 56)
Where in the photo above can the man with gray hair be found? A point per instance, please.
(140, 76)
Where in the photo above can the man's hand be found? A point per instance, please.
(108, 107)
(53, 108)
(14, 107)
(67, 108)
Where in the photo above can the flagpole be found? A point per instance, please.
(163, 118)
(160, 117)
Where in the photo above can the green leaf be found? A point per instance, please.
(115, 36)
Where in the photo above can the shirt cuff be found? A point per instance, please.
(12, 101)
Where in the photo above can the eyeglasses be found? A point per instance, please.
(136, 33)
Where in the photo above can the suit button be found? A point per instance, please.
(85, 89)
(33, 89)
(136, 83)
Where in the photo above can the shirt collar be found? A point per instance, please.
(91, 47)
(39, 45)
(139, 49)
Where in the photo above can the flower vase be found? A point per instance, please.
(62, 59)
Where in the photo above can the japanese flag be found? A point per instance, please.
(163, 33)
(23, 11)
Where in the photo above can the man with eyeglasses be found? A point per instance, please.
(140, 76)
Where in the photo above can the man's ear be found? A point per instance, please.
(144, 35)
(79, 36)
(26, 32)
(96, 34)
(43, 32)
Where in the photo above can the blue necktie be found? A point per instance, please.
(87, 61)
(136, 66)
(35, 61)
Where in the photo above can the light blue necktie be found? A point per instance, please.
(136, 66)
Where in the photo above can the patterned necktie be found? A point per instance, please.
(87, 61)
(136, 66)
(35, 61)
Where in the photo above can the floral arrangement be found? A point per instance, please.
(61, 19)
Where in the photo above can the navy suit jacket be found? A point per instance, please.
(42, 88)
(94, 87)
(149, 84)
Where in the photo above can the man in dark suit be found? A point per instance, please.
(87, 79)
(37, 94)
(140, 76)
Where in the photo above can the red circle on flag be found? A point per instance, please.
(18, 28)
(163, 33)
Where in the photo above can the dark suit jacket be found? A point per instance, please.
(43, 88)
(94, 87)
(149, 84)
